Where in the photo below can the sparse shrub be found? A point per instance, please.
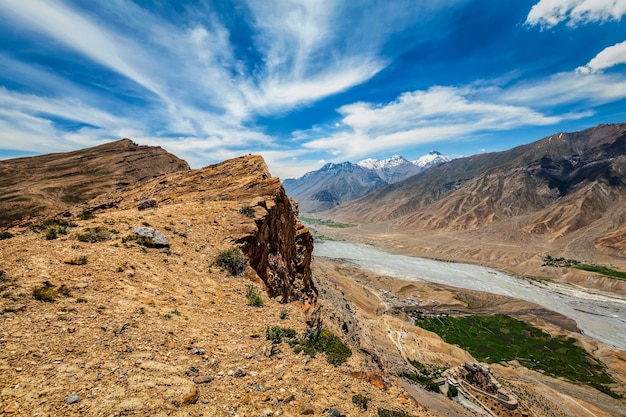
(81, 260)
(51, 233)
(247, 211)
(146, 224)
(3, 275)
(94, 234)
(284, 314)
(361, 401)
(81, 300)
(167, 316)
(144, 241)
(86, 215)
(175, 312)
(142, 310)
(322, 340)
(5, 235)
(52, 223)
(232, 260)
(276, 334)
(254, 296)
(129, 238)
(452, 391)
(46, 292)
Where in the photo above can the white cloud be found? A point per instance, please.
(607, 58)
(424, 116)
(77, 32)
(549, 13)
(567, 88)
(192, 80)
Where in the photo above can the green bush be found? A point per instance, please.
(233, 260)
(94, 234)
(247, 211)
(322, 340)
(276, 334)
(46, 292)
(254, 296)
(452, 391)
(148, 242)
(52, 223)
(361, 401)
(81, 260)
(85, 215)
(383, 412)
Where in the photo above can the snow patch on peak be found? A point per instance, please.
(369, 163)
(431, 158)
(393, 161)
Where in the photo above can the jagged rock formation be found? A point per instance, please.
(50, 183)
(280, 250)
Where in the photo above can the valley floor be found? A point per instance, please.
(379, 324)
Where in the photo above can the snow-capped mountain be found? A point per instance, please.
(371, 163)
(430, 159)
(334, 184)
(392, 169)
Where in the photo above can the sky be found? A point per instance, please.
(307, 82)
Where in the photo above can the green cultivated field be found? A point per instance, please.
(501, 338)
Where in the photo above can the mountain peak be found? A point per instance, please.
(431, 158)
(393, 161)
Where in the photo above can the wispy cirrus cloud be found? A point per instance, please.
(549, 13)
(426, 116)
(193, 82)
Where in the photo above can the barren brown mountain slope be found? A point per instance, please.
(50, 183)
(95, 323)
(564, 195)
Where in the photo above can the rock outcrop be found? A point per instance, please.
(280, 249)
(276, 243)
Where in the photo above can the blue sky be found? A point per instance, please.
(307, 82)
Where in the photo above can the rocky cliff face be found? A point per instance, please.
(280, 249)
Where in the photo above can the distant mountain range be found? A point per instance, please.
(568, 187)
(334, 184)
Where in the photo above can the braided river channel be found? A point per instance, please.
(601, 316)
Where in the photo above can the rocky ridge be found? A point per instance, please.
(50, 183)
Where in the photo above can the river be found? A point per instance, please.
(600, 316)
